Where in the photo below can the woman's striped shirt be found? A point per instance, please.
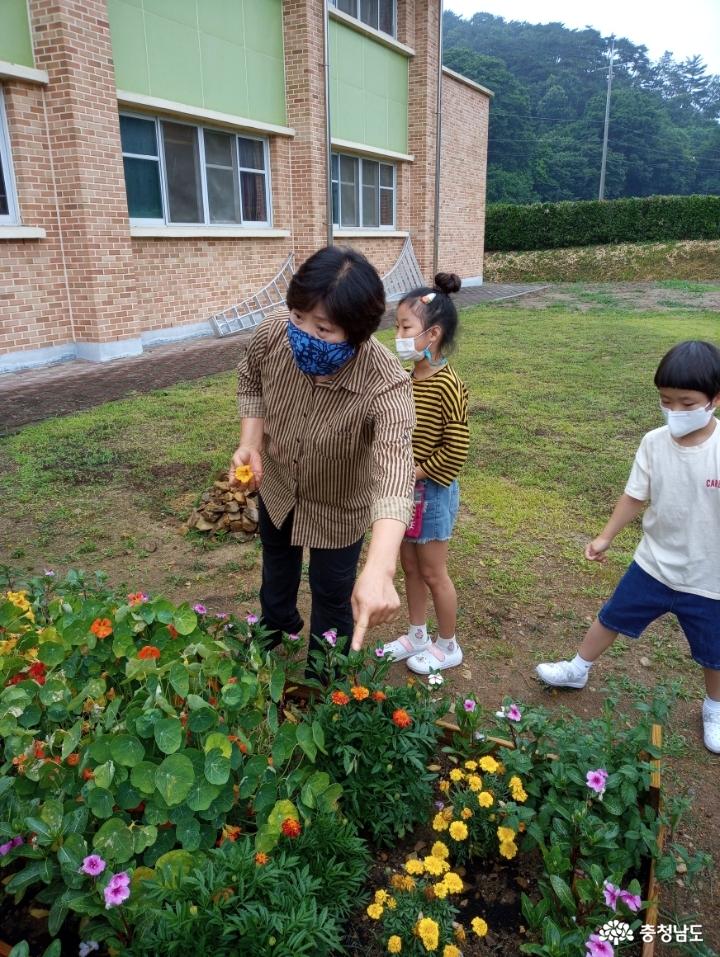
(441, 437)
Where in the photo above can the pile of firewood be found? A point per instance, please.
(225, 510)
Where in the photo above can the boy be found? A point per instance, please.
(676, 567)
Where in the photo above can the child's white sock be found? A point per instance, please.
(444, 643)
(418, 634)
(711, 705)
(579, 662)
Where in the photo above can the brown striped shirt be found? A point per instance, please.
(441, 437)
(338, 451)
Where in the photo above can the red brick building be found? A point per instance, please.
(160, 159)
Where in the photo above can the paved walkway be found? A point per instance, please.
(36, 394)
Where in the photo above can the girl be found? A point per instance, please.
(426, 326)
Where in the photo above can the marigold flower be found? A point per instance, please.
(474, 782)
(88, 775)
(450, 950)
(148, 652)
(401, 882)
(440, 850)
(466, 814)
(485, 799)
(471, 765)
(508, 849)
(101, 627)
(429, 932)
(414, 866)
(505, 834)
(394, 944)
(375, 911)
(359, 692)
(339, 698)
(290, 827)
(456, 775)
(261, 859)
(444, 786)
(435, 866)
(458, 830)
(244, 474)
(401, 718)
(73, 759)
(381, 896)
(453, 882)
(479, 926)
(439, 823)
(440, 890)
(489, 764)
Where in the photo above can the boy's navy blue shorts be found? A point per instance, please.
(639, 599)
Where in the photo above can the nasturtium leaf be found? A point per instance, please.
(179, 679)
(114, 841)
(127, 749)
(306, 741)
(174, 778)
(201, 795)
(217, 767)
(127, 797)
(71, 739)
(188, 833)
(185, 620)
(202, 720)
(51, 653)
(168, 735)
(220, 741)
(144, 837)
(104, 774)
(101, 802)
(142, 776)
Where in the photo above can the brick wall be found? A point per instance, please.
(463, 171)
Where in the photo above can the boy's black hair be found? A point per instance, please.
(694, 365)
(346, 284)
(440, 311)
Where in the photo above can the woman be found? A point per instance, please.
(327, 418)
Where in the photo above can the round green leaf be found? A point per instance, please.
(220, 741)
(179, 679)
(188, 833)
(104, 773)
(114, 841)
(202, 720)
(168, 735)
(185, 620)
(51, 653)
(142, 777)
(101, 802)
(99, 750)
(201, 795)
(72, 851)
(217, 767)
(127, 796)
(127, 749)
(144, 837)
(174, 778)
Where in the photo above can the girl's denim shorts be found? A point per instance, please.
(439, 512)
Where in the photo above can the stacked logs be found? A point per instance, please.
(225, 510)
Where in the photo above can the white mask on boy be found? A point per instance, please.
(683, 423)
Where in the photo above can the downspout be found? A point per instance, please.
(438, 143)
(328, 135)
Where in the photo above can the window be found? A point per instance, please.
(8, 203)
(179, 174)
(379, 14)
(363, 192)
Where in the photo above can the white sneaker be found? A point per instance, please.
(562, 674)
(711, 730)
(407, 645)
(435, 658)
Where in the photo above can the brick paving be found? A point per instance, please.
(32, 395)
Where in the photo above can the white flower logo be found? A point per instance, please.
(616, 931)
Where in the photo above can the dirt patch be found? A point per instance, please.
(639, 296)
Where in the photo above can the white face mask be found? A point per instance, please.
(683, 423)
(406, 350)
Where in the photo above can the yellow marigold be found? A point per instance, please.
(450, 950)
(456, 775)
(440, 890)
(471, 765)
(440, 850)
(508, 849)
(391, 903)
(474, 782)
(500, 768)
(414, 866)
(381, 896)
(515, 782)
(429, 932)
(435, 866)
(394, 944)
(400, 882)
(460, 933)
(489, 764)
(359, 692)
(444, 786)
(375, 911)
(466, 813)
(458, 830)
(505, 834)
(485, 799)
(453, 882)
(479, 926)
(519, 795)
(439, 822)
(447, 813)
(7, 646)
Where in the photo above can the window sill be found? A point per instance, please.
(22, 232)
(371, 32)
(373, 152)
(207, 232)
(16, 71)
(371, 233)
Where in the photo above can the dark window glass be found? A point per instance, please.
(387, 17)
(370, 191)
(182, 168)
(349, 212)
(222, 184)
(142, 185)
(138, 136)
(252, 189)
(369, 12)
(252, 154)
(4, 201)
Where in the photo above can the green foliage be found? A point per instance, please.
(562, 225)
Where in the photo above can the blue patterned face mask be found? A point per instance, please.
(316, 356)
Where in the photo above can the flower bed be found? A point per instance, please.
(161, 790)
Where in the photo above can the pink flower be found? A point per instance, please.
(9, 845)
(596, 780)
(513, 713)
(379, 652)
(469, 705)
(632, 901)
(611, 894)
(251, 619)
(294, 637)
(200, 609)
(117, 891)
(330, 637)
(93, 865)
(120, 880)
(222, 615)
(596, 947)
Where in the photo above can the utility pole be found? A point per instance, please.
(601, 191)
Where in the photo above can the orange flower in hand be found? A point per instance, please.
(102, 627)
(148, 652)
(339, 697)
(401, 718)
(244, 474)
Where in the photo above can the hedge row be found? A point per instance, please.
(589, 223)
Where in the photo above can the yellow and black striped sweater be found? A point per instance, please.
(441, 436)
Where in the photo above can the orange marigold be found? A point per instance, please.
(149, 651)
(73, 759)
(401, 718)
(88, 775)
(339, 697)
(378, 696)
(359, 692)
(102, 627)
(261, 858)
(290, 827)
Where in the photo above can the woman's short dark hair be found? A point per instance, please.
(693, 365)
(348, 287)
(440, 310)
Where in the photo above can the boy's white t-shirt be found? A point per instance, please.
(681, 525)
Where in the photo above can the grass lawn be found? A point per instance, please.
(559, 399)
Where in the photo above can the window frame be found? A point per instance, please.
(359, 160)
(12, 217)
(160, 158)
(356, 16)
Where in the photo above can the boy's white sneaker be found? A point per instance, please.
(562, 674)
(407, 645)
(435, 658)
(711, 729)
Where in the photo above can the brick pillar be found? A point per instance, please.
(305, 94)
(72, 42)
(419, 22)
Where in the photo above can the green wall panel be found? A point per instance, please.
(15, 39)
(368, 90)
(224, 55)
